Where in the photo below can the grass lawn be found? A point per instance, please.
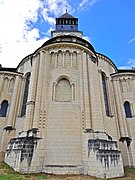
(7, 173)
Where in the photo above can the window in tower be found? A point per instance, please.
(52, 60)
(74, 60)
(4, 107)
(25, 95)
(6, 83)
(105, 94)
(67, 59)
(11, 85)
(127, 109)
(60, 59)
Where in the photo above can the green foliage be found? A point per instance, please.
(41, 177)
(7, 173)
(12, 177)
(130, 170)
(4, 166)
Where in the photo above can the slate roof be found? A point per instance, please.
(67, 16)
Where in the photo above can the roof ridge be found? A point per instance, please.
(66, 15)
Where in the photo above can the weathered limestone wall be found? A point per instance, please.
(124, 91)
(120, 87)
(25, 65)
(63, 123)
(2, 125)
(105, 158)
(65, 102)
(7, 86)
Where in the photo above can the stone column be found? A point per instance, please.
(72, 90)
(43, 109)
(32, 94)
(63, 57)
(39, 90)
(133, 94)
(1, 83)
(85, 89)
(44, 84)
(71, 59)
(109, 93)
(56, 59)
(102, 97)
(14, 102)
(120, 112)
(95, 97)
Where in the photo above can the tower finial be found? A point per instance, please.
(66, 7)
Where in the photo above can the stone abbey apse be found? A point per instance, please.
(67, 109)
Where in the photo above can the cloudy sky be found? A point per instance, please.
(109, 25)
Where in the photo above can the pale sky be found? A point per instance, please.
(107, 24)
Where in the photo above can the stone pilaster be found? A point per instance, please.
(63, 58)
(120, 110)
(102, 97)
(56, 59)
(109, 93)
(43, 112)
(95, 97)
(13, 109)
(71, 56)
(1, 83)
(32, 94)
(86, 92)
(39, 90)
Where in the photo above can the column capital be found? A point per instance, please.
(42, 51)
(100, 70)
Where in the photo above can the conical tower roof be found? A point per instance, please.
(67, 15)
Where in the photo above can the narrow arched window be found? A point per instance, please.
(25, 95)
(63, 91)
(67, 59)
(127, 109)
(4, 107)
(60, 59)
(105, 94)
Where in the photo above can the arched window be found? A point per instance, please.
(67, 59)
(11, 85)
(25, 95)
(4, 107)
(74, 60)
(127, 109)
(63, 91)
(60, 59)
(105, 94)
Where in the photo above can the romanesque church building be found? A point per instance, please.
(67, 109)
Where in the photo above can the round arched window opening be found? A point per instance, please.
(127, 108)
(4, 107)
